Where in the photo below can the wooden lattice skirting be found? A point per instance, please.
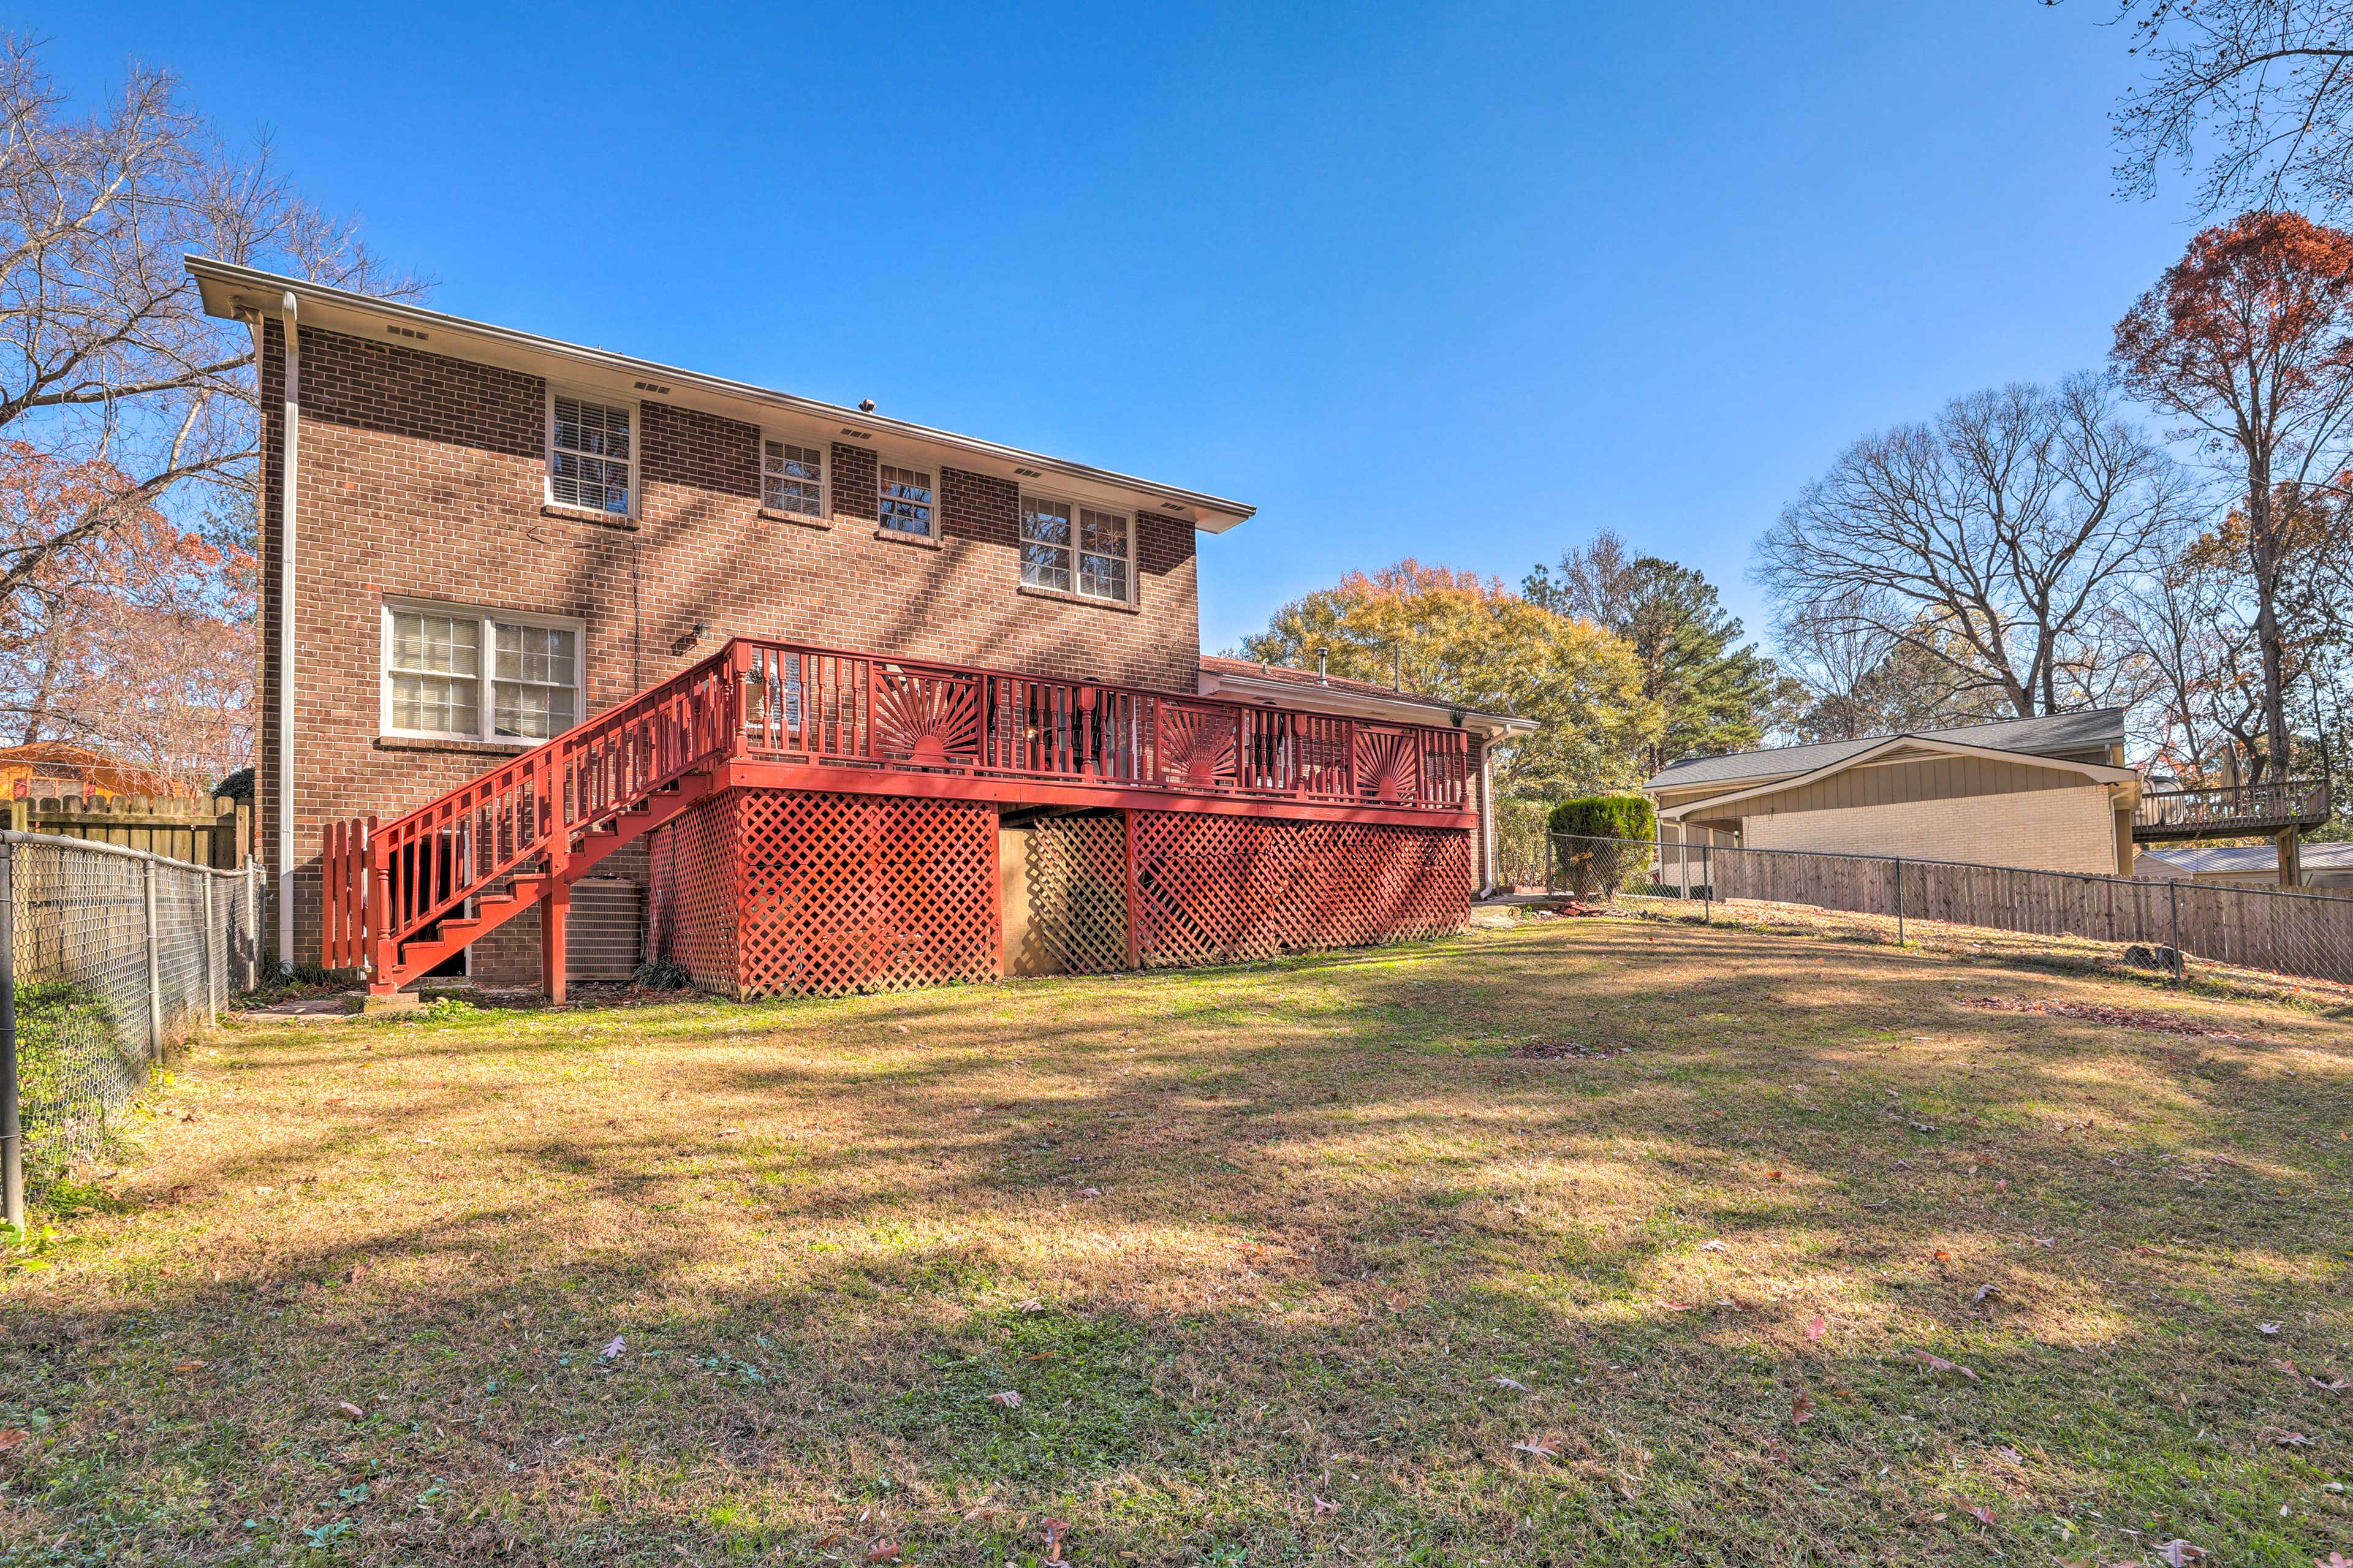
(1209, 890)
(760, 892)
(765, 892)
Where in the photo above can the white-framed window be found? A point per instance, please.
(1071, 548)
(459, 673)
(592, 453)
(907, 501)
(792, 477)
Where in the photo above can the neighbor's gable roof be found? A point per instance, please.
(2053, 732)
(236, 293)
(1899, 748)
(2238, 859)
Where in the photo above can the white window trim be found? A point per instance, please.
(486, 701)
(1077, 503)
(939, 497)
(824, 451)
(637, 410)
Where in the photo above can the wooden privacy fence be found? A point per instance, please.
(215, 833)
(2286, 932)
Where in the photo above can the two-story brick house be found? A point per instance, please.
(475, 539)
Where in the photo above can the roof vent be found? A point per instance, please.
(1029, 473)
(400, 331)
(858, 434)
(654, 388)
(1170, 506)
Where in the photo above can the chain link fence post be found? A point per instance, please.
(1899, 900)
(2173, 914)
(12, 1130)
(1707, 881)
(154, 962)
(253, 925)
(208, 965)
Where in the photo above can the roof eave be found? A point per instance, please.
(1339, 701)
(226, 285)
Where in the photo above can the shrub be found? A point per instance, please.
(1606, 816)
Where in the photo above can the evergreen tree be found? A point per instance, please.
(1715, 696)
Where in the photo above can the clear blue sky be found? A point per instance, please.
(1462, 282)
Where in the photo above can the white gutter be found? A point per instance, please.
(288, 452)
(221, 283)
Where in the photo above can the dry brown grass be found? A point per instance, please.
(1241, 1240)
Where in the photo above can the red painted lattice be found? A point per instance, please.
(1212, 889)
(795, 891)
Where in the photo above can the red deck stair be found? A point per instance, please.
(401, 896)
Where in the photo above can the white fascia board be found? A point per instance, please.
(233, 292)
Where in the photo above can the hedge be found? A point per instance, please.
(1606, 816)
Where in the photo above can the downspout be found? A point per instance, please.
(1487, 814)
(288, 452)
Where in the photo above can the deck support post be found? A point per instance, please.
(1135, 893)
(2291, 858)
(554, 918)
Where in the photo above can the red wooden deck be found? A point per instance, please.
(760, 716)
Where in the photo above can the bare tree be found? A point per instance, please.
(2253, 97)
(1986, 546)
(108, 362)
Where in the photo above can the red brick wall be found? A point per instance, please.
(423, 476)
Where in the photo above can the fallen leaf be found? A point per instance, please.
(1322, 1507)
(2267, 1329)
(2003, 1185)
(2286, 1366)
(1943, 1256)
(1983, 1291)
(614, 1350)
(348, 1408)
(1802, 1409)
(1513, 1383)
(1054, 1531)
(1817, 1329)
(1772, 1175)
(882, 1551)
(2334, 1560)
(833, 1540)
(1089, 1191)
(2012, 1455)
(2334, 1385)
(1009, 1399)
(186, 1365)
(1543, 1448)
(2181, 1553)
(1939, 1363)
(1982, 1514)
(1679, 1305)
(1031, 1305)
(2279, 1439)
(1902, 1164)
(1714, 1247)
(2043, 1240)
(12, 1436)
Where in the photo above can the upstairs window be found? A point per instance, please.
(1073, 549)
(438, 684)
(591, 459)
(792, 478)
(908, 502)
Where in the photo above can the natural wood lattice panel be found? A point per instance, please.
(1212, 889)
(826, 894)
(1078, 891)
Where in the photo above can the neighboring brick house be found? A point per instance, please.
(495, 536)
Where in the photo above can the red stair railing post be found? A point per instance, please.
(376, 913)
(555, 903)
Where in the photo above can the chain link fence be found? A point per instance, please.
(2305, 935)
(111, 957)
